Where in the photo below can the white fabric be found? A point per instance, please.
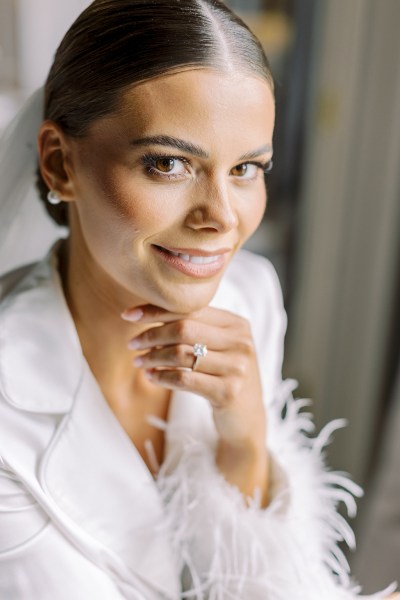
(81, 516)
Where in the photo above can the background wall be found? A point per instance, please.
(348, 242)
(343, 343)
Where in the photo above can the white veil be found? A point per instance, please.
(26, 231)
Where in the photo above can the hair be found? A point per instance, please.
(115, 44)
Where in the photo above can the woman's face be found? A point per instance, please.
(170, 186)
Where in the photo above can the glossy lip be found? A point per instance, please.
(195, 270)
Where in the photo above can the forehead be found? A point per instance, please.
(201, 105)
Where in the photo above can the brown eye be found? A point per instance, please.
(240, 170)
(246, 171)
(165, 165)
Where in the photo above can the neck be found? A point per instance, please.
(96, 307)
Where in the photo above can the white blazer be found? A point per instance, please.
(82, 518)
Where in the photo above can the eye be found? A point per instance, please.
(241, 170)
(250, 170)
(165, 166)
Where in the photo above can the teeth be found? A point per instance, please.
(200, 260)
(203, 259)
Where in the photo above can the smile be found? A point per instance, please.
(193, 262)
(200, 260)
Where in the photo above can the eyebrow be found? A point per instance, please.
(256, 153)
(185, 146)
(166, 140)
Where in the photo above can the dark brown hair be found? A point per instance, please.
(116, 43)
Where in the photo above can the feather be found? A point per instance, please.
(232, 550)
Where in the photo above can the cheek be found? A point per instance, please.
(117, 204)
(115, 212)
(146, 209)
(252, 212)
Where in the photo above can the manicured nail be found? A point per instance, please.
(138, 362)
(132, 315)
(133, 344)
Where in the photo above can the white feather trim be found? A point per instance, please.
(229, 550)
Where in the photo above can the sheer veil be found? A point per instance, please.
(26, 231)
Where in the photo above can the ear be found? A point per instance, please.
(55, 160)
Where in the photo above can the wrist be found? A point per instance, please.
(245, 465)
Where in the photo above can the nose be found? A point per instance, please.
(213, 207)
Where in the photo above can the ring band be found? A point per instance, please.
(199, 351)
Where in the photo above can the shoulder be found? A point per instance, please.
(254, 277)
(40, 274)
(251, 288)
(10, 281)
(37, 339)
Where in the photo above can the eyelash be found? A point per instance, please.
(149, 160)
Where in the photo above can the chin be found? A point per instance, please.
(189, 300)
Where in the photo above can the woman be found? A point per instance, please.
(144, 453)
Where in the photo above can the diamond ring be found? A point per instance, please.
(199, 351)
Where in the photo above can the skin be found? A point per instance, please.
(133, 312)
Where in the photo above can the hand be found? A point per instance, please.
(227, 377)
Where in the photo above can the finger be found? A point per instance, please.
(181, 355)
(202, 384)
(186, 332)
(154, 314)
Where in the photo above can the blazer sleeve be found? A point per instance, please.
(230, 549)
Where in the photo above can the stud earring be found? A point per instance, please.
(53, 197)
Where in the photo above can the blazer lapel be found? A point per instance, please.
(97, 477)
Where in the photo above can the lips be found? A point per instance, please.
(194, 262)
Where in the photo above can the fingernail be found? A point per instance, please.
(138, 362)
(134, 344)
(132, 315)
(149, 374)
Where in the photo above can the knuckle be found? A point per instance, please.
(240, 368)
(181, 329)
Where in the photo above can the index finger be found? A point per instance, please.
(149, 313)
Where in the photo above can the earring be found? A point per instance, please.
(53, 197)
